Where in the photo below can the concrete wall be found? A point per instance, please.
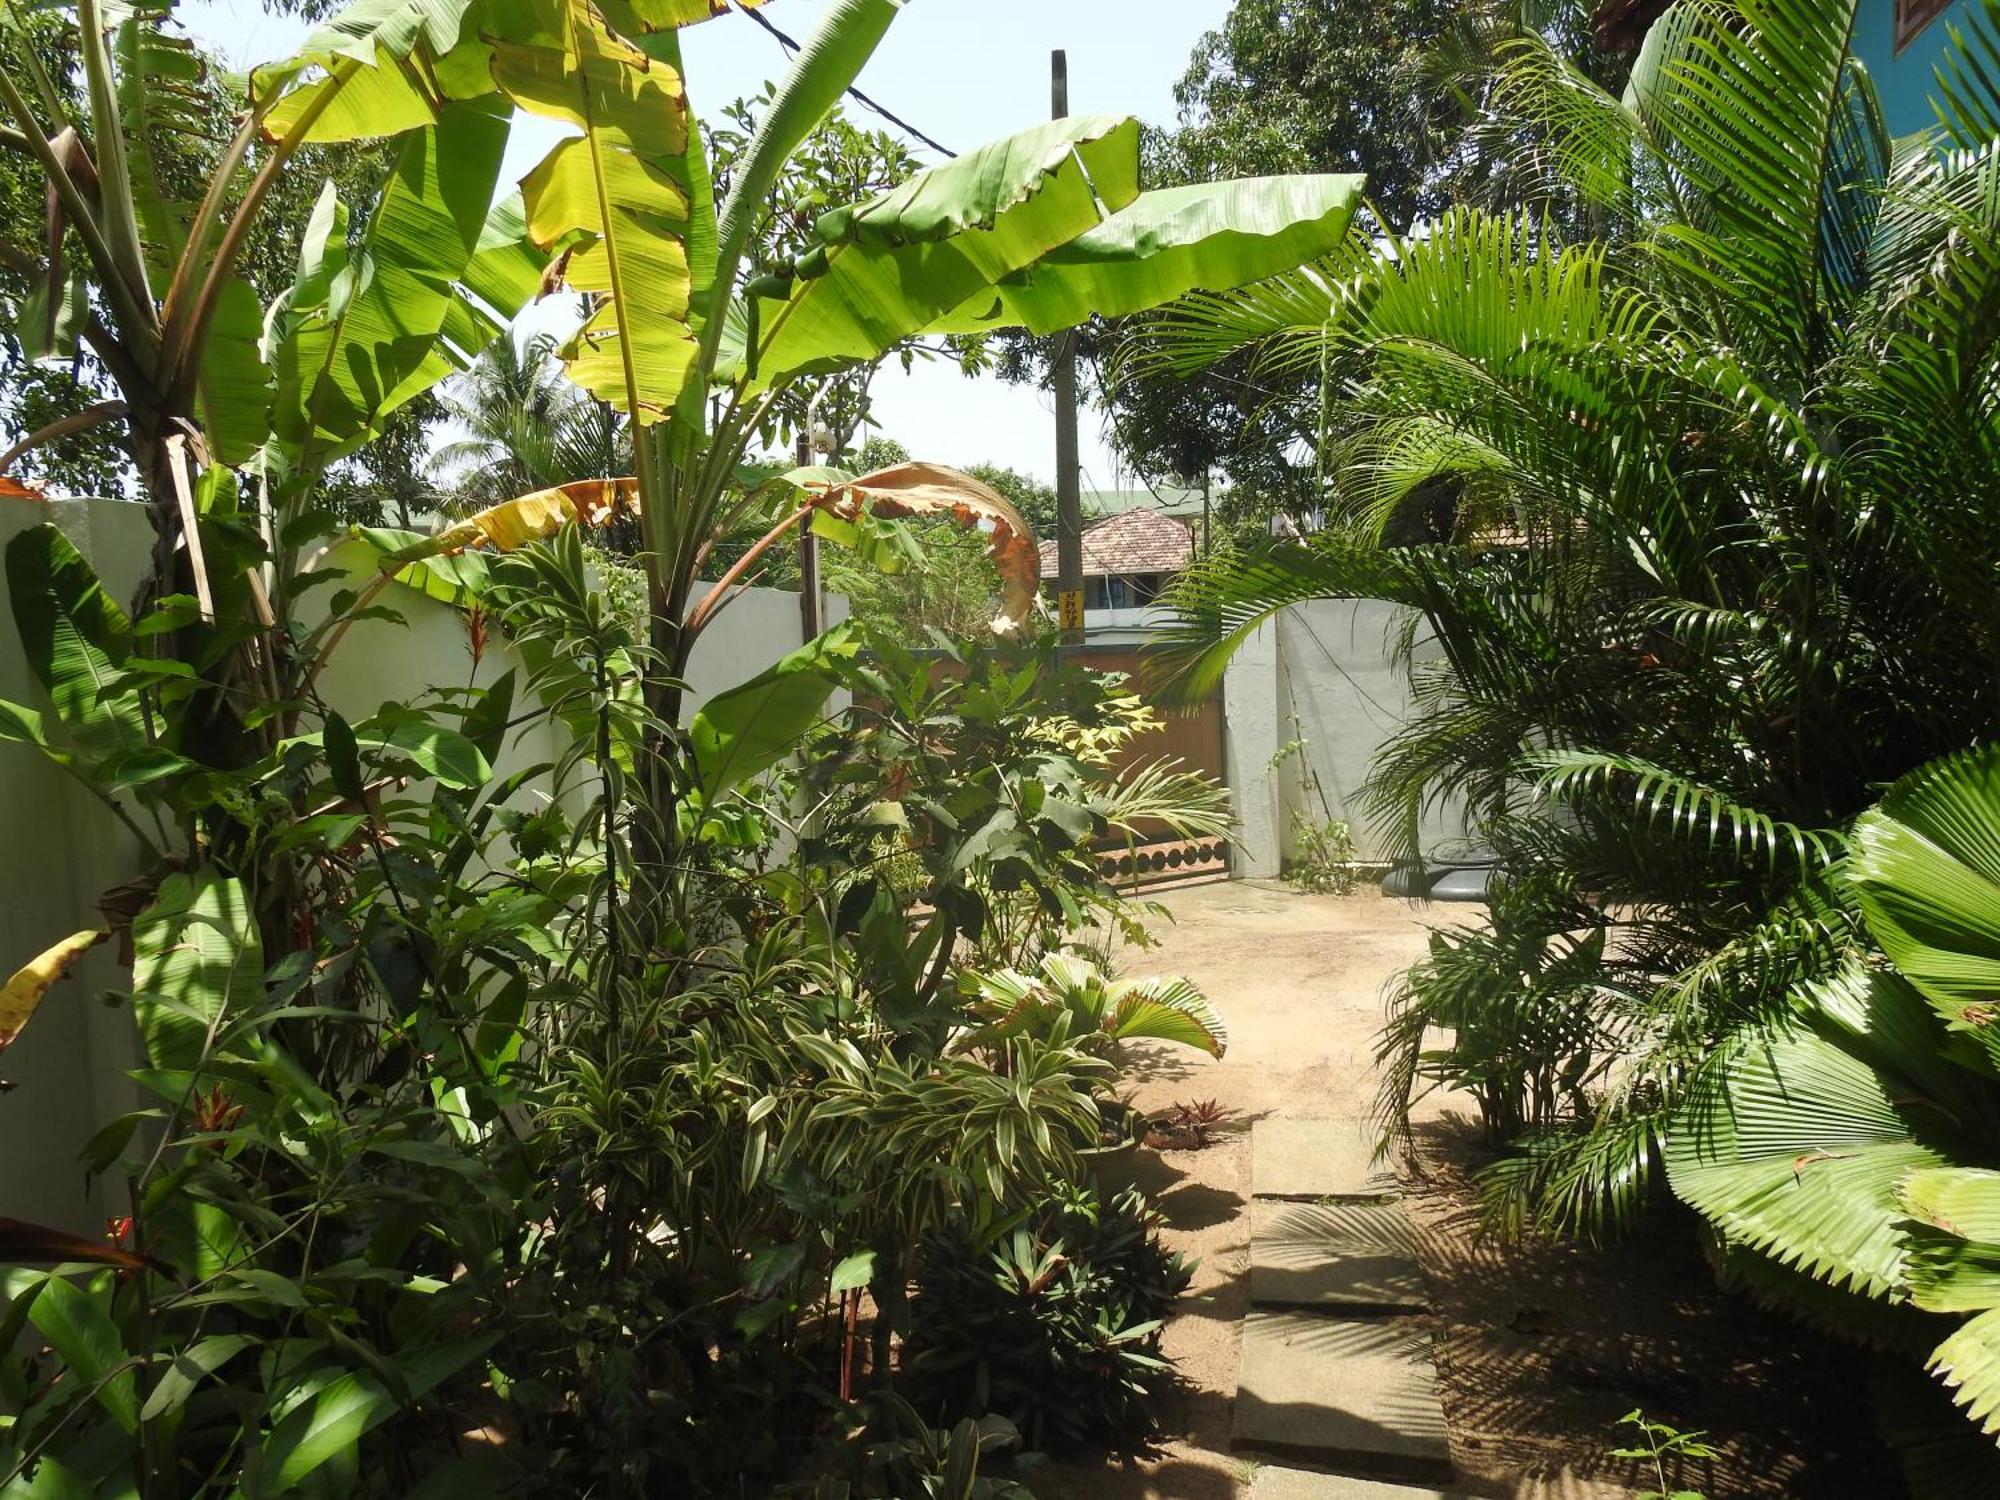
(1324, 673)
(63, 848)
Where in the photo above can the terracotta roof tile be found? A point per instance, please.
(1134, 541)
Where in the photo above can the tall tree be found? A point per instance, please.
(1401, 90)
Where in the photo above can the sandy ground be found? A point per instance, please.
(1540, 1348)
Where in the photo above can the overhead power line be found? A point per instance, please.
(860, 98)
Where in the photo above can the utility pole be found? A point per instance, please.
(1069, 506)
(808, 548)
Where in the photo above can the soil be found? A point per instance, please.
(1541, 1348)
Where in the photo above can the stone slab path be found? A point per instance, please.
(1336, 1367)
(1271, 1482)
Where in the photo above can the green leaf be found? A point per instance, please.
(343, 758)
(335, 1417)
(356, 339)
(445, 754)
(1206, 237)
(892, 266)
(747, 730)
(75, 638)
(234, 383)
(190, 1367)
(614, 200)
(1795, 1147)
(159, 108)
(74, 1321)
(854, 1272)
(196, 960)
(1926, 864)
(1969, 1362)
(365, 72)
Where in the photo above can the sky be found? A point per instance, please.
(960, 72)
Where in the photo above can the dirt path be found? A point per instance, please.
(1298, 980)
(1540, 1348)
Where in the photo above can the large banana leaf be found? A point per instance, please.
(1212, 236)
(893, 265)
(234, 382)
(158, 100)
(371, 71)
(358, 336)
(196, 959)
(614, 202)
(744, 732)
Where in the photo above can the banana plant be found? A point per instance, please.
(1039, 230)
(156, 292)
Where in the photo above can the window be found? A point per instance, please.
(1912, 16)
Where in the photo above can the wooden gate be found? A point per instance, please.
(1193, 737)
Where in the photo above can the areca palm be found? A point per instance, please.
(1718, 493)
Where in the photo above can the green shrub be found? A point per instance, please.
(1056, 1328)
(1325, 860)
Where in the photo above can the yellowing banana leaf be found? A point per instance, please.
(527, 518)
(921, 489)
(611, 203)
(371, 68)
(23, 992)
(893, 265)
(1212, 236)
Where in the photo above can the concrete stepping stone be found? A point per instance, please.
(1334, 1257)
(1275, 1482)
(1317, 1159)
(1357, 1394)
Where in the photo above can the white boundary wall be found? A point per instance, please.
(62, 848)
(1323, 672)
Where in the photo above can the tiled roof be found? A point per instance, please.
(1135, 541)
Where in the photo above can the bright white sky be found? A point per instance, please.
(962, 73)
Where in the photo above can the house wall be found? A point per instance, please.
(1905, 79)
(64, 848)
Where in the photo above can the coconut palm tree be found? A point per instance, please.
(1700, 510)
(526, 428)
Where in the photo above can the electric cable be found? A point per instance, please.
(860, 98)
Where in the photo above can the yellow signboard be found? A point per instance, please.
(1069, 609)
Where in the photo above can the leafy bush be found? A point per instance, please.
(1056, 1327)
(1324, 862)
